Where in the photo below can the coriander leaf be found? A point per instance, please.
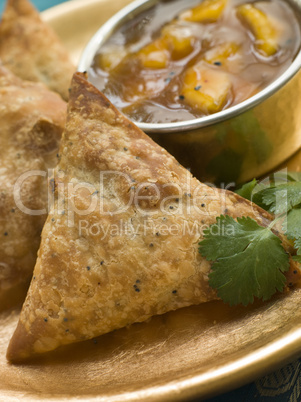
(282, 198)
(281, 188)
(249, 260)
(247, 189)
(292, 224)
(253, 191)
(297, 245)
(227, 237)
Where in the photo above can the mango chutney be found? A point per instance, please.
(172, 63)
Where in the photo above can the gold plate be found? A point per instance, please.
(193, 352)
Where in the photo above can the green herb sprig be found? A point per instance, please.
(249, 260)
(281, 198)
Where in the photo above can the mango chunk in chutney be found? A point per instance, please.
(174, 43)
(155, 55)
(110, 59)
(205, 90)
(178, 39)
(266, 35)
(207, 11)
(220, 54)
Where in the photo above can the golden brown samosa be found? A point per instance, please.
(32, 50)
(32, 119)
(121, 241)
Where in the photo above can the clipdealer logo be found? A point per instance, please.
(113, 195)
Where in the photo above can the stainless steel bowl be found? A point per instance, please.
(244, 141)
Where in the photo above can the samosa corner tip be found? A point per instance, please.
(19, 345)
(20, 8)
(83, 92)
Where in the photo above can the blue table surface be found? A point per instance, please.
(283, 385)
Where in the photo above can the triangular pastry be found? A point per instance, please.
(31, 49)
(32, 119)
(121, 241)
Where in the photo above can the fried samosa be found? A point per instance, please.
(32, 120)
(32, 50)
(120, 243)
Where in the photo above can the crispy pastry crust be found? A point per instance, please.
(85, 283)
(31, 49)
(31, 123)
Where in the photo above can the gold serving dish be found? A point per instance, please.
(198, 351)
